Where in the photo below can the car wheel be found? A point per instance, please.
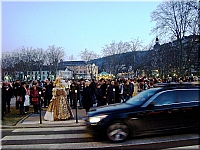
(117, 132)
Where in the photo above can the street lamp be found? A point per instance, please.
(91, 69)
(21, 76)
(74, 73)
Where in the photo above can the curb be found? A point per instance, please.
(49, 124)
(15, 126)
(20, 121)
(68, 123)
(30, 121)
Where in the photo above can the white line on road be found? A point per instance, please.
(49, 129)
(84, 145)
(185, 147)
(52, 136)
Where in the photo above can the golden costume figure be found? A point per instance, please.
(59, 108)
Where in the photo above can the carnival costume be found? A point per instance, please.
(59, 108)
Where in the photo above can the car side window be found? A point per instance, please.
(166, 97)
(188, 95)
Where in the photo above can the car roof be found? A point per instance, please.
(175, 85)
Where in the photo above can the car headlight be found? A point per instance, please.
(96, 119)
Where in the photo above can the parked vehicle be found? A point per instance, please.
(166, 108)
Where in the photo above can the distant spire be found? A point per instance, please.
(157, 45)
(157, 40)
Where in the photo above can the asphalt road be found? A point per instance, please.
(78, 138)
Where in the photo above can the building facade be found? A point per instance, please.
(67, 69)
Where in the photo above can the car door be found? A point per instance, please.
(160, 112)
(189, 111)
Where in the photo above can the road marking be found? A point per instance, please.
(49, 129)
(84, 145)
(184, 147)
(80, 140)
(54, 136)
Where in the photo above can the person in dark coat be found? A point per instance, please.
(104, 91)
(8, 93)
(81, 87)
(110, 93)
(117, 91)
(22, 94)
(48, 92)
(99, 95)
(3, 101)
(127, 91)
(73, 87)
(87, 100)
(16, 88)
(93, 88)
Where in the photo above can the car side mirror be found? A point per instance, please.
(150, 105)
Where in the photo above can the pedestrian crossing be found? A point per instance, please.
(75, 137)
(51, 138)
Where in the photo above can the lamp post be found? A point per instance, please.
(114, 94)
(40, 105)
(21, 76)
(91, 69)
(74, 72)
(76, 106)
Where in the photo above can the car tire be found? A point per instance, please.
(117, 132)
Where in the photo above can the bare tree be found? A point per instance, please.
(114, 63)
(150, 57)
(39, 56)
(16, 61)
(54, 55)
(115, 48)
(29, 59)
(133, 46)
(8, 63)
(87, 55)
(175, 20)
(195, 22)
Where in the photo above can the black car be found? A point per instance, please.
(172, 107)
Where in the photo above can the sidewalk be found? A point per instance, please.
(33, 120)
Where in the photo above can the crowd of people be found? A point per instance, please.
(25, 94)
(89, 92)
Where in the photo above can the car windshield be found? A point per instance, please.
(141, 97)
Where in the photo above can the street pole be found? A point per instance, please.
(76, 106)
(114, 94)
(40, 105)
